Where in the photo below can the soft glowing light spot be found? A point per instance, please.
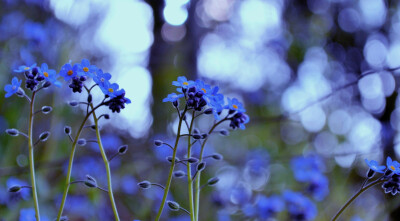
(70, 72)
(85, 69)
(185, 83)
(204, 90)
(392, 167)
(235, 106)
(26, 68)
(46, 74)
(110, 90)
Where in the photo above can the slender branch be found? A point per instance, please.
(183, 209)
(23, 134)
(159, 185)
(171, 170)
(189, 170)
(71, 161)
(106, 164)
(378, 181)
(32, 159)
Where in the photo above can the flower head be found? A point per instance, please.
(183, 83)
(24, 68)
(13, 87)
(373, 165)
(68, 71)
(393, 165)
(202, 87)
(102, 79)
(299, 206)
(49, 74)
(118, 102)
(86, 69)
(235, 105)
(239, 120)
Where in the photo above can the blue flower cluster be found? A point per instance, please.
(309, 170)
(299, 207)
(391, 172)
(199, 95)
(76, 75)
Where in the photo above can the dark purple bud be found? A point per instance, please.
(204, 136)
(208, 111)
(224, 132)
(46, 84)
(196, 131)
(67, 130)
(46, 109)
(231, 111)
(12, 132)
(197, 136)
(81, 142)
(90, 98)
(90, 184)
(158, 143)
(193, 160)
(82, 78)
(14, 189)
(122, 149)
(44, 136)
(201, 166)
(106, 116)
(144, 184)
(175, 103)
(169, 159)
(217, 156)
(179, 174)
(73, 103)
(212, 181)
(172, 205)
(370, 173)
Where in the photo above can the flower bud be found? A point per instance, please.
(67, 130)
(231, 111)
(201, 166)
(169, 159)
(217, 156)
(204, 136)
(73, 103)
(196, 131)
(122, 149)
(12, 132)
(46, 109)
(196, 136)
(90, 98)
(174, 206)
(158, 143)
(63, 218)
(193, 160)
(20, 92)
(370, 173)
(212, 181)
(144, 184)
(44, 136)
(46, 84)
(82, 142)
(90, 183)
(14, 189)
(208, 111)
(224, 132)
(175, 103)
(179, 174)
(106, 116)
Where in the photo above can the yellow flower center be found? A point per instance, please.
(70, 72)
(204, 90)
(110, 90)
(392, 167)
(26, 68)
(85, 69)
(235, 106)
(46, 74)
(185, 83)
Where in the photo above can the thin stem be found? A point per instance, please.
(23, 134)
(159, 185)
(189, 171)
(31, 158)
(197, 183)
(378, 181)
(183, 209)
(169, 146)
(107, 165)
(71, 161)
(171, 170)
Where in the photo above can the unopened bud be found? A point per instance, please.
(44, 136)
(169, 159)
(208, 111)
(81, 142)
(106, 116)
(158, 143)
(12, 132)
(224, 132)
(73, 103)
(90, 98)
(46, 84)
(46, 109)
(200, 167)
(213, 181)
(193, 160)
(144, 184)
(179, 174)
(14, 189)
(122, 149)
(217, 156)
(174, 206)
(67, 130)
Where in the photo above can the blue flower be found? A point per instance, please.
(393, 165)
(299, 206)
(183, 83)
(373, 165)
(68, 71)
(49, 74)
(235, 105)
(201, 86)
(111, 90)
(267, 207)
(172, 97)
(13, 87)
(85, 69)
(24, 68)
(319, 187)
(305, 168)
(102, 79)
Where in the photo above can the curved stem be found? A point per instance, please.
(107, 165)
(171, 169)
(378, 181)
(31, 158)
(189, 171)
(71, 161)
(197, 181)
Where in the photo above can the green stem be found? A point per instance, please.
(171, 169)
(355, 196)
(71, 161)
(197, 181)
(189, 171)
(31, 158)
(107, 165)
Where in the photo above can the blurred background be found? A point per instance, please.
(314, 75)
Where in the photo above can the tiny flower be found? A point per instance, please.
(49, 74)
(77, 84)
(373, 165)
(174, 206)
(173, 97)
(212, 181)
(102, 79)
(201, 86)
(393, 165)
(235, 105)
(183, 82)
(13, 87)
(239, 120)
(68, 71)
(86, 69)
(110, 89)
(24, 68)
